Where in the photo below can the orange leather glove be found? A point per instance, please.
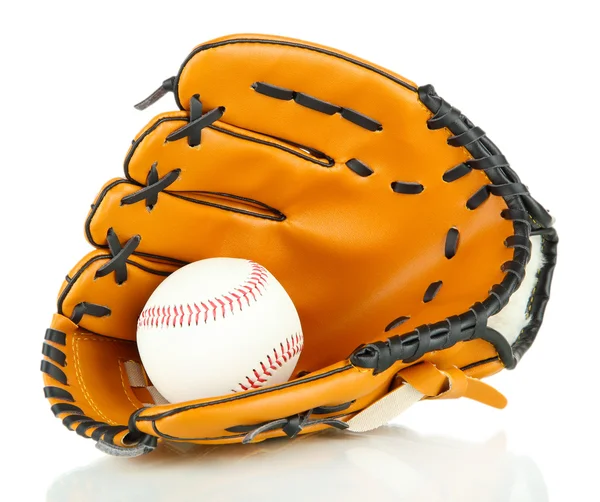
(417, 260)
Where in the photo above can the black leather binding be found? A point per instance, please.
(407, 187)
(528, 217)
(57, 393)
(359, 168)
(451, 245)
(316, 104)
(56, 373)
(86, 308)
(54, 354)
(55, 336)
(120, 254)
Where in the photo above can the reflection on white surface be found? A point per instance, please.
(391, 463)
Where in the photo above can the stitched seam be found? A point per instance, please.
(122, 373)
(288, 349)
(340, 110)
(171, 316)
(75, 345)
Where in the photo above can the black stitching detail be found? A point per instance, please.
(508, 189)
(109, 435)
(505, 190)
(456, 172)
(59, 408)
(83, 427)
(452, 238)
(488, 157)
(317, 104)
(53, 335)
(500, 293)
(86, 308)
(490, 162)
(516, 215)
(197, 122)
(454, 331)
(518, 241)
(99, 431)
(396, 322)
(52, 353)
(273, 91)
(118, 263)
(478, 198)
(51, 392)
(484, 163)
(56, 373)
(407, 187)
(445, 116)
(467, 137)
(514, 267)
(432, 291)
(424, 335)
(154, 185)
(481, 318)
(359, 167)
(70, 420)
(361, 120)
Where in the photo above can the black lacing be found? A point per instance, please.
(445, 117)
(91, 309)
(472, 324)
(118, 263)
(198, 121)
(293, 425)
(193, 132)
(73, 416)
(155, 185)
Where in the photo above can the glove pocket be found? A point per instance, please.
(86, 381)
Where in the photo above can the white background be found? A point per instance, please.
(525, 72)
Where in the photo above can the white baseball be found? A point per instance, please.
(218, 326)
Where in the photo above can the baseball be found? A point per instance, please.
(218, 326)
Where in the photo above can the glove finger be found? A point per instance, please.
(243, 73)
(227, 160)
(104, 304)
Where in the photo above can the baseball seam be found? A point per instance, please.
(192, 314)
(288, 349)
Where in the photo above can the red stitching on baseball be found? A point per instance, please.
(294, 347)
(161, 315)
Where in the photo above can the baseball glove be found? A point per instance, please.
(417, 260)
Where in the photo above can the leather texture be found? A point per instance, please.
(270, 181)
